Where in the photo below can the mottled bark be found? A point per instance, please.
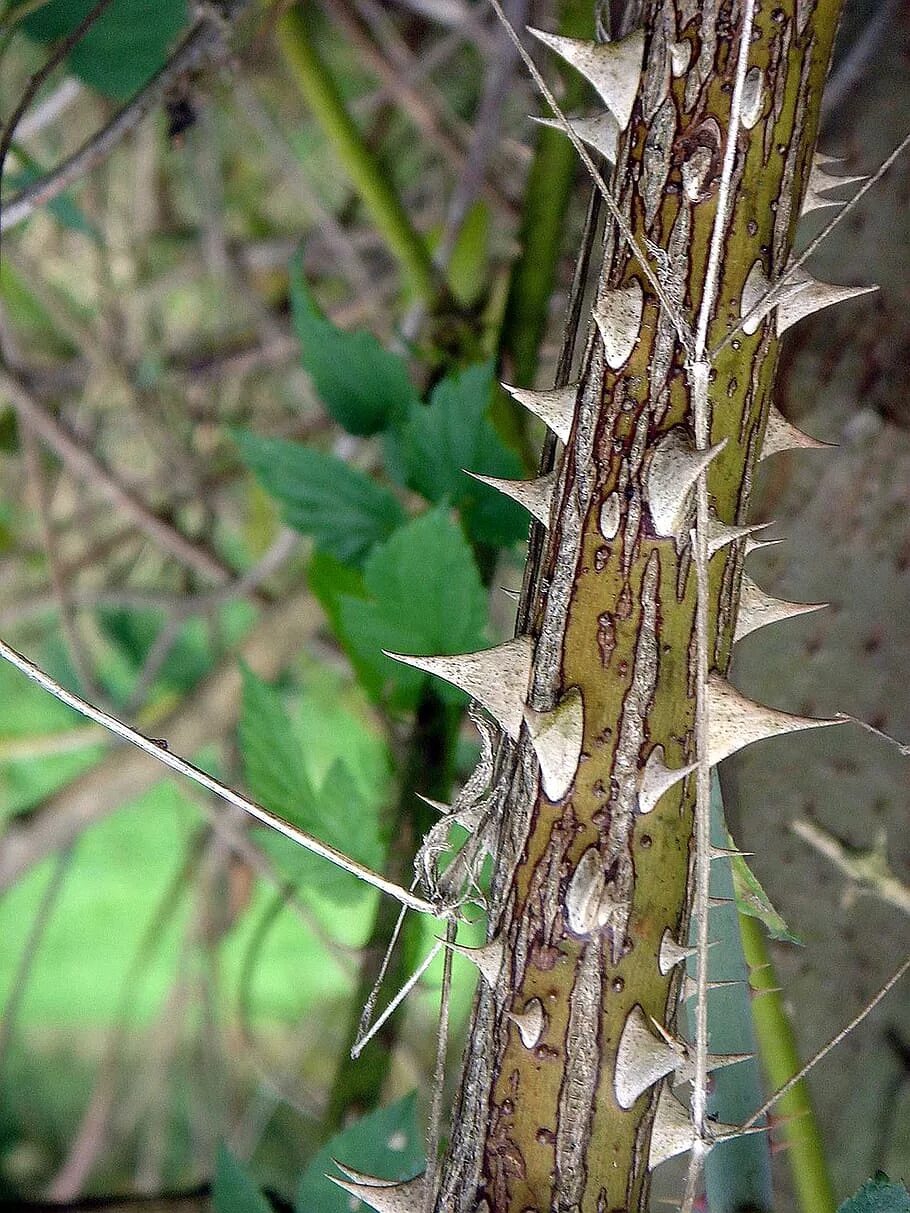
(588, 886)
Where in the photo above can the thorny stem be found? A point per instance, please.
(699, 371)
(157, 750)
(622, 223)
(371, 182)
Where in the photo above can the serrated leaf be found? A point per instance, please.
(452, 433)
(425, 596)
(878, 1195)
(344, 511)
(387, 1143)
(752, 899)
(363, 385)
(233, 1191)
(126, 45)
(275, 772)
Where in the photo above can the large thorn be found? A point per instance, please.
(642, 1059)
(530, 1022)
(536, 496)
(685, 1072)
(583, 904)
(656, 778)
(735, 721)
(614, 68)
(757, 609)
(672, 1132)
(812, 297)
(407, 1197)
(672, 953)
(486, 959)
(780, 435)
(720, 533)
(618, 314)
(757, 293)
(557, 738)
(497, 678)
(820, 182)
(675, 467)
(555, 407)
(600, 132)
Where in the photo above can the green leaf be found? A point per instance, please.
(275, 769)
(363, 386)
(752, 899)
(878, 1195)
(387, 1143)
(128, 43)
(344, 511)
(425, 597)
(453, 433)
(330, 581)
(232, 1189)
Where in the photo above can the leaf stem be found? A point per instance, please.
(797, 1127)
(370, 180)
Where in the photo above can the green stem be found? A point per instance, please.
(798, 1128)
(370, 180)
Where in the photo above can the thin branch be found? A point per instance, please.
(38, 78)
(826, 1049)
(156, 750)
(868, 870)
(83, 464)
(204, 46)
(434, 1120)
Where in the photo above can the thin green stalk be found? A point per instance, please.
(368, 177)
(797, 1129)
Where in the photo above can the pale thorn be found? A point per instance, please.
(755, 545)
(685, 1072)
(618, 314)
(780, 435)
(360, 1177)
(757, 293)
(407, 1197)
(672, 473)
(820, 182)
(656, 777)
(600, 132)
(718, 903)
(735, 721)
(642, 1058)
(443, 809)
(536, 496)
(497, 678)
(610, 516)
(757, 609)
(613, 68)
(671, 953)
(680, 55)
(515, 595)
(583, 896)
(722, 533)
(672, 1132)
(752, 97)
(689, 989)
(530, 1022)
(555, 406)
(812, 298)
(728, 853)
(557, 736)
(487, 959)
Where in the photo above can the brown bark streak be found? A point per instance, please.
(541, 1128)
